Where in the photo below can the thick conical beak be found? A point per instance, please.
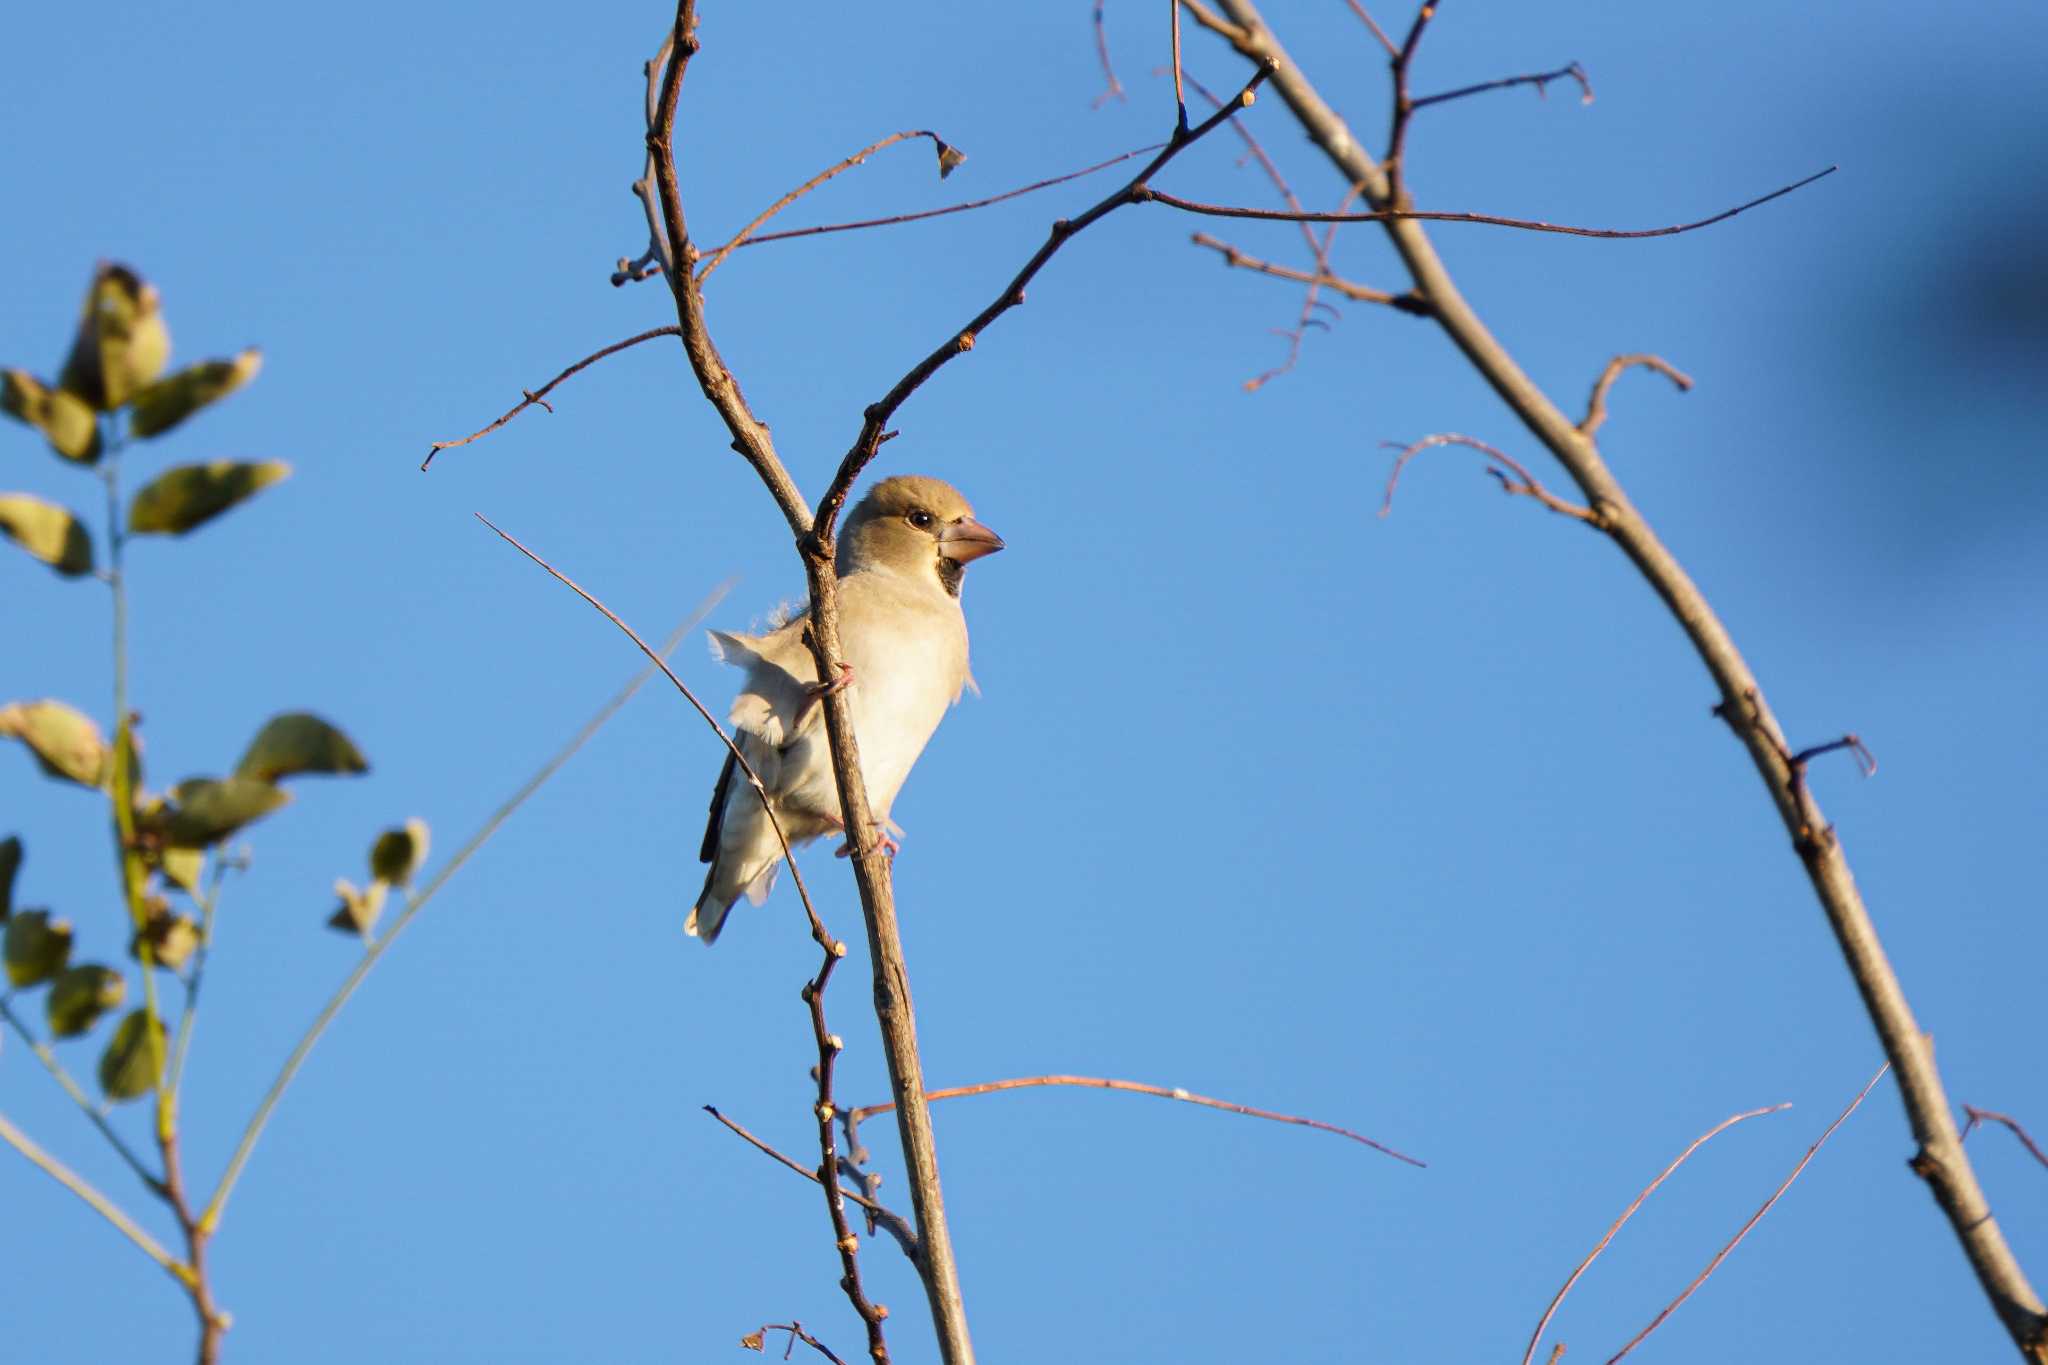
(968, 539)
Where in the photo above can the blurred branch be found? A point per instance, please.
(1557, 1299)
(100, 1204)
(1528, 487)
(1410, 303)
(1115, 88)
(1754, 1219)
(78, 1096)
(868, 1111)
(210, 1219)
(528, 397)
(1596, 407)
(1495, 220)
(1941, 1160)
(756, 1340)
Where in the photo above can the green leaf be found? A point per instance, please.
(122, 344)
(398, 853)
(181, 868)
(190, 495)
(206, 810)
(36, 947)
(359, 909)
(10, 863)
(299, 742)
(65, 418)
(64, 741)
(134, 1058)
(175, 397)
(47, 531)
(171, 937)
(81, 995)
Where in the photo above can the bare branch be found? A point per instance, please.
(757, 1340)
(1211, 20)
(1410, 303)
(868, 1111)
(944, 149)
(1978, 1116)
(1596, 407)
(1754, 1219)
(1557, 1299)
(905, 1235)
(1528, 487)
(99, 1203)
(1377, 31)
(968, 206)
(1115, 88)
(1540, 79)
(529, 397)
(1495, 220)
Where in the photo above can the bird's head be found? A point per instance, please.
(913, 525)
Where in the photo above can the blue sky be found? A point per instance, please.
(1419, 826)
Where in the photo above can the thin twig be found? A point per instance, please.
(1540, 79)
(898, 1227)
(100, 1204)
(1377, 31)
(1978, 1116)
(740, 238)
(1754, 1219)
(1410, 303)
(1528, 487)
(48, 1058)
(1557, 1299)
(531, 396)
(210, 1219)
(1596, 406)
(968, 206)
(868, 1111)
(1419, 215)
(756, 1340)
(1115, 87)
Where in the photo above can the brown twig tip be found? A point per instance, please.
(1527, 487)
(1978, 1116)
(1596, 406)
(1540, 79)
(531, 397)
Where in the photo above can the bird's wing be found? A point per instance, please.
(718, 794)
(779, 670)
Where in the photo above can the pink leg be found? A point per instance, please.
(886, 843)
(817, 692)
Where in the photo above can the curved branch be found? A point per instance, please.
(1596, 407)
(1941, 1160)
(529, 397)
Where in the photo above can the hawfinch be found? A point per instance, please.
(902, 554)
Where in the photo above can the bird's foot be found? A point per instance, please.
(818, 691)
(886, 843)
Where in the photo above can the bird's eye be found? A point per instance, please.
(921, 519)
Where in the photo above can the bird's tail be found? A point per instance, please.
(722, 889)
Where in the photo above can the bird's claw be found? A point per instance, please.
(886, 843)
(818, 691)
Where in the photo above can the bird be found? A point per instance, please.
(902, 555)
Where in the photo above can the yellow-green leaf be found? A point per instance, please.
(205, 810)
(299, 742)
(134, 1058)
(175, 397)
(10, 863)
(122, 344)
(64, 418)
(191, 495)
(171, 937)
(359, 909)
(181, 867)
(47, 531)
(398, 853)
(64, 740)
(81, 995)
(35, 946)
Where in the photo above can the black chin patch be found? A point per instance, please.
(951, 571)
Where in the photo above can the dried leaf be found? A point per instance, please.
(298, 742)
(81, 995)
(35, 946)
(398, 853)
(171, 937)
(122, 344)
(134, 1058)
(175, 397)
(64, 740)
(64, 418)
(950, 157)
(47, 531)
(190, 495)
(205, 810)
